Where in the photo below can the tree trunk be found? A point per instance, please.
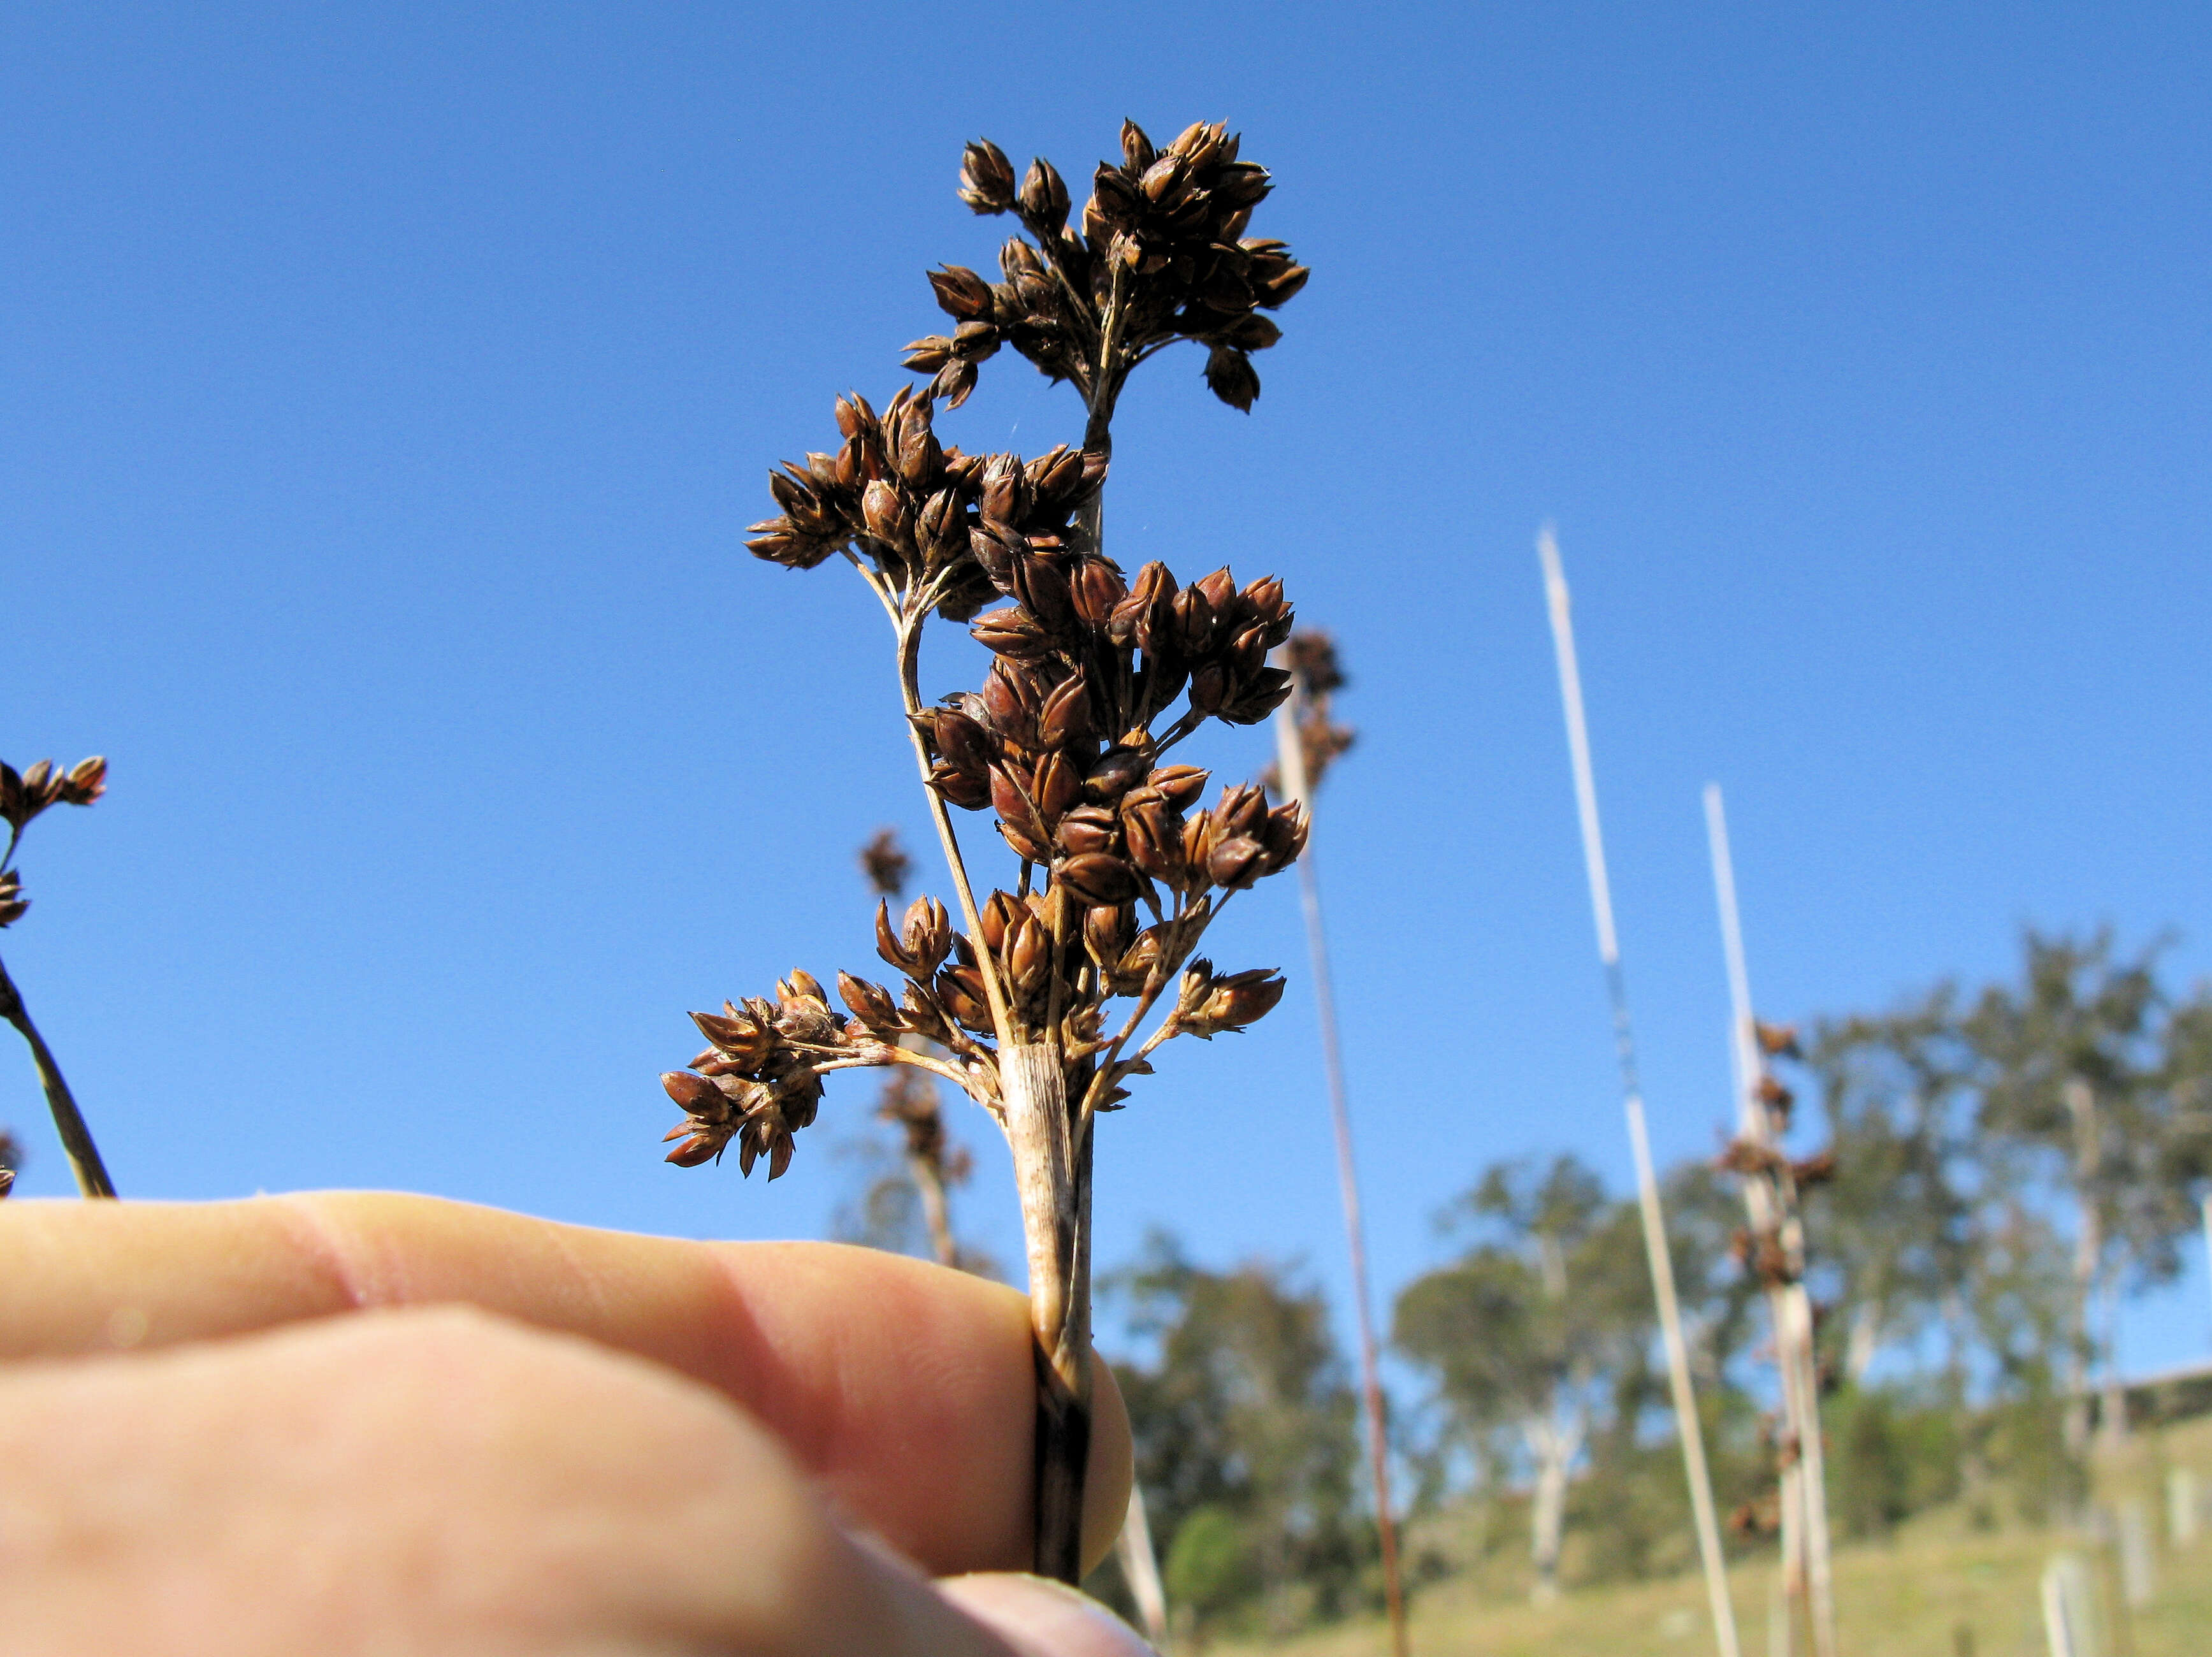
(2088, 1253)
(1547, 1520)
(936, 1212)
(1052, 1167)
(1865, 1341)
(1555, 1445)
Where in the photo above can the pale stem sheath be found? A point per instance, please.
(1689, 1430)
(1292, 764)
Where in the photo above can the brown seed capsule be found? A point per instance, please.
(1087, 828)
(1114, 197)
(987, 178)
(1109, 929)
(871, 1003)
(970, 791)
(1231, 377)
(961, 293)
(1097, 879)
(1180, 785)
(1118, 771)
(1210, 1004)
(960, 992)
(1284, 835)
(1194, 622)
(1010, 704)
(1098, 589)
(925, 938)
(916, 454)
(1137, 151)
(13, 903)
(1011, 632)
(86, 782)
(1235, 863)
(927, 354)
(1055, 478)
(1000, 910)
(1201, 833)
(1058, 786)
(1257, 697)
(1154, 836)
(1028, 954)
(921, 1013)
(1042, 590)
(1211, 687)
(741, 1035)
(975, 342)
(1044, 196)
(1278, 290)
(888, 519)
(1065, 715)
(954, 381)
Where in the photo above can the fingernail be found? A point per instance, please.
(1045, 1618)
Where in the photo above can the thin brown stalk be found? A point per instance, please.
(77, 1144)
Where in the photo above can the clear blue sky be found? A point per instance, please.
(385, 391)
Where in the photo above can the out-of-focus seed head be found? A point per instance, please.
(885, 864)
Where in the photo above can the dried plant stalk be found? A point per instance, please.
(23, 796)
(1773, 1248)
(1308, 741)
(1688, 1430)
(1097, 677)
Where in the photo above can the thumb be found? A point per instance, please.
(1042, 1618)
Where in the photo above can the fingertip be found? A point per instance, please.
(1112, 1469)
(1040, 1619)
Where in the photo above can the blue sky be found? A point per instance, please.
(386, 396)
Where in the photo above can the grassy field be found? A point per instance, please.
(1934, 1588)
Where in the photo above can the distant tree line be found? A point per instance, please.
(1997, 1171)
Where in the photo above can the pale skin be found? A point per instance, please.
(352, 1422)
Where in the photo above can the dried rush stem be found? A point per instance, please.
(1687, 1428)
(1773, 1250)
(1095, 678)
(1306, 742)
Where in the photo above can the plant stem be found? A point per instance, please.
(910, 673)
(1297, 788)
(1052, 1164)
(1689, 1430)
(91, 1173)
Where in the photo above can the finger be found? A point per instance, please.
(1042, 1618)
(417, 1481)
(907, 1389)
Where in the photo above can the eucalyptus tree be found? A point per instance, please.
(1526, 1333)
(2088, 1089)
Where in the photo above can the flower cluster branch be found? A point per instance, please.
(1036, 1002)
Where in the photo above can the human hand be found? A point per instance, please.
(520, 1439)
